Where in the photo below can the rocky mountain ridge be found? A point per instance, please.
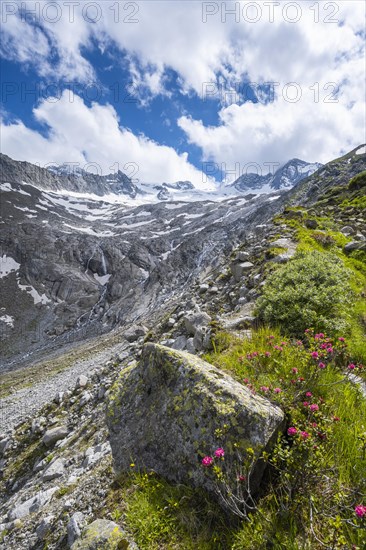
(285, 177)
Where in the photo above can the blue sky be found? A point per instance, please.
(182, 88)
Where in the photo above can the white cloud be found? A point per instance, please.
(172, 35)
(78, 133)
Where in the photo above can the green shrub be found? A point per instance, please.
(312, 290)
(358, 181)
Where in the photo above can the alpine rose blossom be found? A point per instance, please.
(207, 461)
(351, 366)
(315, 355)
(292, 431)
(219, 453)
(321, 365)
(360, 511)
(277, 390)
(305, 435)
(314, 407)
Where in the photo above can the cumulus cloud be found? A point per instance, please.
(82, 134)
(310, 44)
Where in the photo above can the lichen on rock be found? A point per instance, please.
(173, 408)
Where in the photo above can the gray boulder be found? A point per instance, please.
(102, 534)
(54, 470)
(53, 435)
(32, 504)
(44, 527)
(239, 269)
(74, 527)
(195, 320)
(165, 415)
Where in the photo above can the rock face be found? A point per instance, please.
(173, 409)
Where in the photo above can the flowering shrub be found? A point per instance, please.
(311, 290)
(316, 470)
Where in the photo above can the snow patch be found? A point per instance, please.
(8, 320)
(7, 265)
(102, 279)
(37, 298)
(361, 150)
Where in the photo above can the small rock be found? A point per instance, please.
(54, 470)
(348, 230)
(82, 381)
(242, 256)
(102, 533)
(171, 322)
(238, 269)
(86, 397)
(134, 333)
(203, 288)
(195, 320)
(4, 445)
(311, 224)
(74, 527)
(44, 527)
(53, 435)
(32, 504)
(180, 343)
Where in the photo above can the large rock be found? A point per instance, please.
(102, 534)
(172, 409)
(195, 320)
(32, 504)
(54, 470)
(239, 269)
(54, 435)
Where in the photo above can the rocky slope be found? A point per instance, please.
(74, 267)
(55, 462)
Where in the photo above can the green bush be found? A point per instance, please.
(312, 290)
(358, 181)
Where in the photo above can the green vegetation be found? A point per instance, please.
(162, 516)
(310, 291)
(316, 472)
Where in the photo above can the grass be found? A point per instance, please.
(162, 516)
(329, 468)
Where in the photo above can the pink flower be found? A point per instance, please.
(271, 337)
(278, 348)
(360, 511)
(207, 461)
(292, 431)
(314, 407)
(295, 370)
(336, 419)
(341, 339)
(242, 478)
(308, 394)
(246, 380)
(315, 355)
(265, 389)
(277, 390)
(330, 350)
(219, 453)
(254, 354)
(299, 343)
(351, 366)
(305, 435)
(321, 365)
(267, 354)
